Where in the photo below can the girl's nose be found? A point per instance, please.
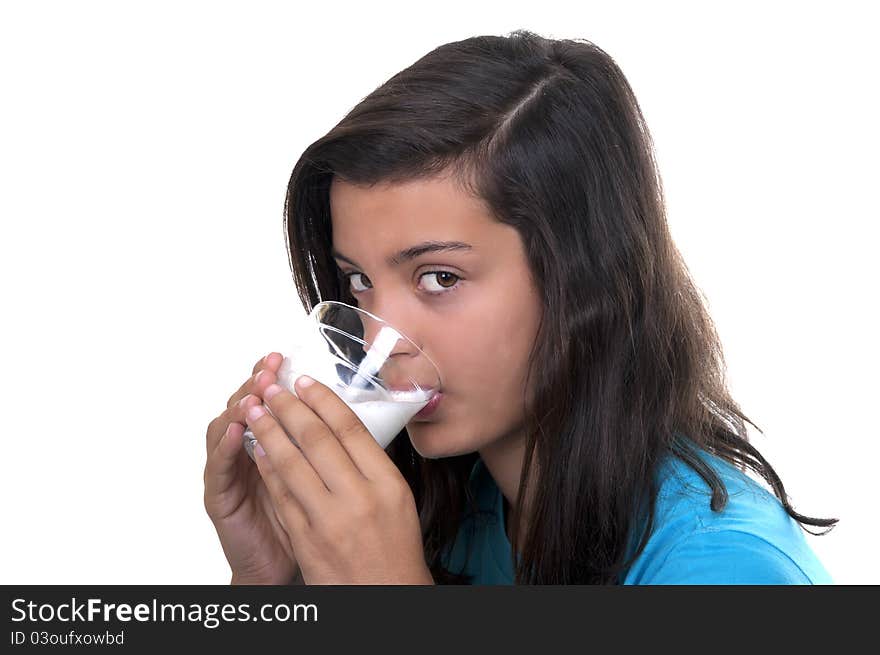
(391, 356)
(386, 340)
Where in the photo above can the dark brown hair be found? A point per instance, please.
(549, 134)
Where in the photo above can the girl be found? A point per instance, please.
(499, 202)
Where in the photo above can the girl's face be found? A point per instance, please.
(473, 308)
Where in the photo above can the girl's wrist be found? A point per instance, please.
(244, 579)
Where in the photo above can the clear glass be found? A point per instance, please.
(380, 373)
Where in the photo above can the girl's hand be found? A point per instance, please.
(236, 499)
(349, 512)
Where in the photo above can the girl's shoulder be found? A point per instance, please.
(751, 540)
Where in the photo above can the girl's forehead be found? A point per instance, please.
(401, 216)
(420, 200)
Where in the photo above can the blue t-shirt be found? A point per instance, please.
(751, 541)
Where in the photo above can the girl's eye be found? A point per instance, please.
(351, 277)
(445, 282)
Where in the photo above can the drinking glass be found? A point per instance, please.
(379, 372)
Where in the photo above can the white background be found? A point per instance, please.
(144, 154)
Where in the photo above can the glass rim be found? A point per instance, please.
(314, 318)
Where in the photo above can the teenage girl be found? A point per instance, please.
(499, 202)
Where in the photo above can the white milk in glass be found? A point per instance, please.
(384, 413)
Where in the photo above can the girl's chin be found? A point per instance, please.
(431, 443)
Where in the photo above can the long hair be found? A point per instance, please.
(627, 367)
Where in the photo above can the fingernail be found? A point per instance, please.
(255, 412)
(259, 376)
(243, 401)
(304, 381)
(270, 391)
(259, 450)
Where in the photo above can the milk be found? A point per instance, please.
(386, 416)
(384, 413)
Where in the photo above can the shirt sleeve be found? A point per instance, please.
(727, 557)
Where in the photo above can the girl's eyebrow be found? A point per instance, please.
(413, 251)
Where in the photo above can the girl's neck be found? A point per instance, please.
(503, 459)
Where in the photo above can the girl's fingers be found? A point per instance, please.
(221, 467)
(257, 383)
(224, 435)
(290, 511)
(265, 372)
(364, 455)
(233, 414)
(321, 447)
(289, 465)
(271, 362)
